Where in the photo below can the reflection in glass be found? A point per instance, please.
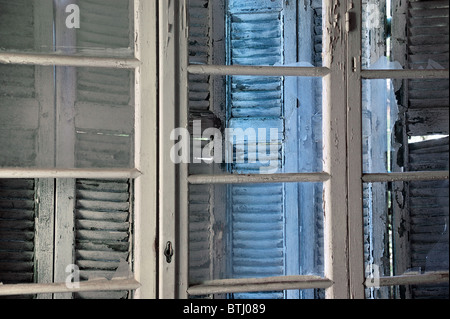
(89, 27)
(257, 230)
(66, 117)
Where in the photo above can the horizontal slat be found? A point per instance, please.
(405, 74)
(406, 176)
(259, 284)
(93, 285)
(67, 60)
(258, 70)
(259, 178)
(409, 279)
(69, 173)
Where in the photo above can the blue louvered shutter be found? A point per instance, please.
(256, 212)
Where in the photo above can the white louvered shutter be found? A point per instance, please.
(104, 137)
(20, 103)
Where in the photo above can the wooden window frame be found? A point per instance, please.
(144, 173)
(342, 174)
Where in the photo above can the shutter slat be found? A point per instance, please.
(102, 229)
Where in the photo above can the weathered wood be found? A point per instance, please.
(259, 284)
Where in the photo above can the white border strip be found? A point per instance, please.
(69, 173)
(405, 176)
(84, 286)
(409, 279)
(257, 70)
(259, 284)
(405, 74)
(68, 60)
(261, 178)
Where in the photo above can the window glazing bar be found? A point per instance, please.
(67, 60)
(84, 286)
(258, 70)
(405, 176)
(437, 277)
(405, 74)
(259, 284)
(69, 173)
(259, 178)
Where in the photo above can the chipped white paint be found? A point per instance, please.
(258, 70)
(334, 153)
(259, 178)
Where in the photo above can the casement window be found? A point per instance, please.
(352, 208)
(75, 125)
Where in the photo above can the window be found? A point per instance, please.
(72, 168)
(327, 221)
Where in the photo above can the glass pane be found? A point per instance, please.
(406, 229)
(414, 34)
(405, 125)
(266, 32)
(92, 27)
(66, 117)
(253, 124)
(258, 230)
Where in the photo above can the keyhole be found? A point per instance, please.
(168, 252)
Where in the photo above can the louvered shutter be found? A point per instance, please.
(17, 231)
(200, 196)
(427, 114)
(104, 125)
(256, 212)
(19, 129)
(429, 209)
(104, 101)
(102, 231)
(428, 47)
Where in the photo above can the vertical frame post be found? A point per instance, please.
(168, 101)
(334, 153)
(146, 134)
(354, 150)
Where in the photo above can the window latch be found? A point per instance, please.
(168, 252)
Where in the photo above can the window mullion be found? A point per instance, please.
(167, 169)
(354, 153)
(335, 152)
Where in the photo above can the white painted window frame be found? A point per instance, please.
(144, 174)
(342, 174)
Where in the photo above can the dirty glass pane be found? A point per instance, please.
(254, 124)
(414, 34)
(405, 125)
(258, 230)
(66, 117)
(405, 229)
(89, 27)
